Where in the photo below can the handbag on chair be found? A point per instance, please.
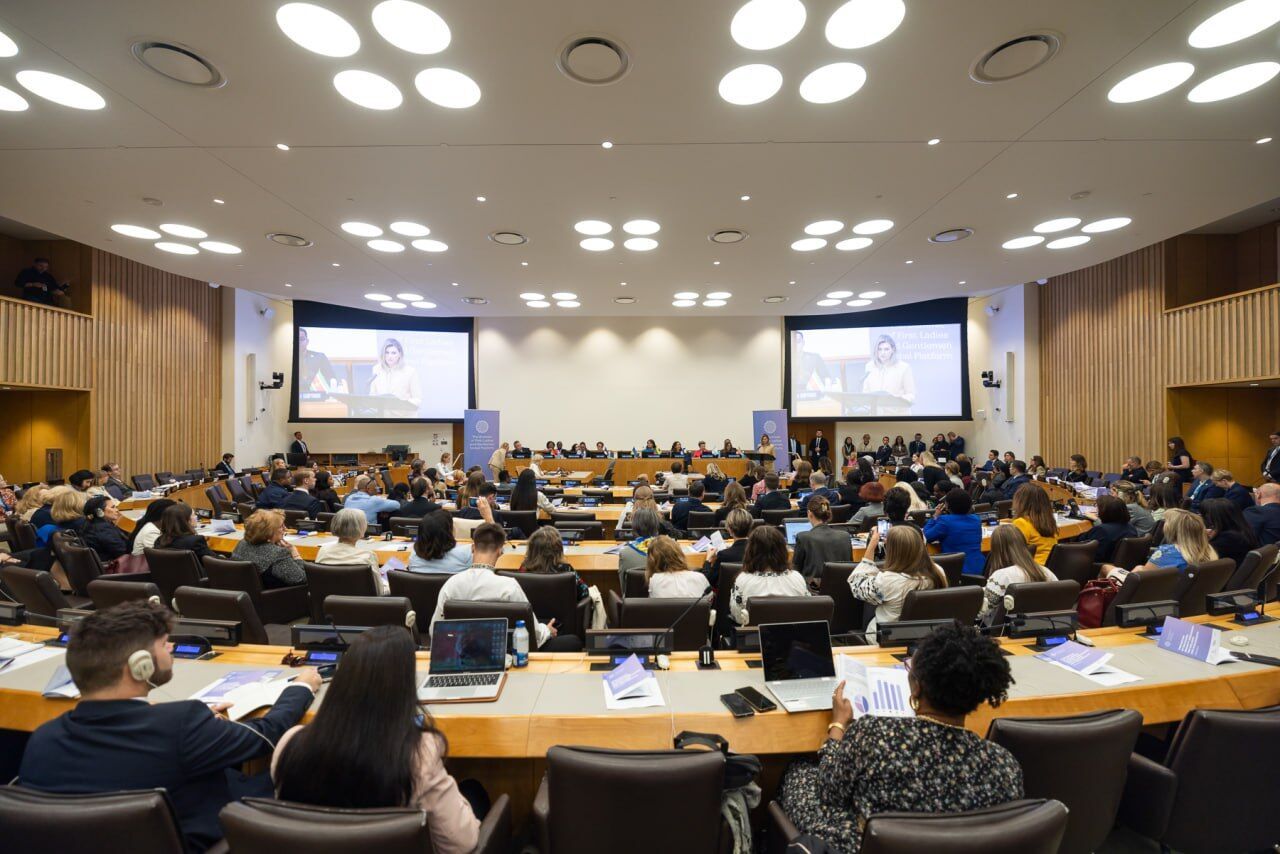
(1094, 600)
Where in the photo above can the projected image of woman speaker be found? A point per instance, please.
(394, 376)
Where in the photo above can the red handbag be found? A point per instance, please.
(126, 563)
(1094, 600)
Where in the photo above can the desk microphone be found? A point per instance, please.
(337, 634)
(671, 629)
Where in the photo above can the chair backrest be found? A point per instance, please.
(246, 509)
(846, 613)
(1157, 534)
(841, 513)
(24, 534)
(683, 787)
(1150, 585)
(216, 500)
(461, 609)
(1018, 827)
(106, 593)
(701, 519)
(36, 589)
(590, 530)
(869, 522)
(952, 565)
(323, 519)
(114, 823)
(420, 588)
(1004, 509)
(293, 516)
(404, 526)
(1080, 760)
(385, 475)
(246, 483)
(951, 603)
(259, 825)
(525, 520)
(634, 584)
(1132, 551)
(790, 609)
(729, 572)
(163, 477)
(572, 516)
(226, 574)
(196, 474)
(1074, 561)
(202, 603)
(775, 517)
(81, 563)
(1030, 597)
(143, 482)
(647, 613)
(551, 595)
(174, 568)
(325, 580)
(238, 492)
(1249, 573)
(372, 611)
(1198, 581)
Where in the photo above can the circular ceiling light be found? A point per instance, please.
(445, 87)
(179, 63)
(774, 300)
(409, 296)
(569, 303)
(1068, 242)
(136, 231)
(532, 296)
(60, 90)
(1022, 242)
(873, 226)
(750, 84)
(475, 300)
(378, 297)
(1236, 22)
(823, 227)
(860, 23)
(177, 248)
(219, 247)
(427, 244)
(641, 227)
(832, 83)
(951, 235)
(593, 227)
(11, 101)
(282, 146)
(854, 243)
(839, 294)
(411, 26)
(684, 303)
(410, 229)
(625, 300)
(368, 90)
(933, 141)
(560, 296)
(1054, 225)
(808, 244)
(719, 295)
(537, 303)
(1233, 82)
(422, 303)
(292, 240)
(827, 303)
(393, 304)
(871, 295)
(1101, 225)
(728, 235)
(187, 231)
(596, 244)
(362, 229)
(1263, 141)
(640, 244)
(766, 24)
(593, 60)
(858, 303)
(8, 47)
(508, 238)
(317, 29)
(713, 303)
(1150, 82)
(685, 295)
(1016, 57)
(386, 245)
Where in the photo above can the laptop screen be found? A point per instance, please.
(468, 646)
(796, 527)
(796, 650)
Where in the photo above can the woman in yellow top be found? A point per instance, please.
(766, 447)
(1033, 516)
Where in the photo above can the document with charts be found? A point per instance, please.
(880, 691)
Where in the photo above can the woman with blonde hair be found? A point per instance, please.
(1033, 516)
(668, 574)
(907, 566)
(714, 480)
(952, 470)
(263, 545)
(800, 478)
(917, 503)
(1139, 516)
(1014, 564)
(392, 376)
(1186, 541)
(735, 498)
(766, 447)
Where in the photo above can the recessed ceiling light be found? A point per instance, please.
(1101, 225)
(684, 303)
(774, 300)
(1236, 22)
(640, 244)
(951, 235)
(176, 248)
(596, 244)
(827, 303)
(1012, 196)
(187, 231)
(961, 282)
(858, 303)
(219, 202)
(641, 227)
(860, 23)
(8, 47)
(623, 284)
(1022, 242)
(792, 282)
(368, 90)
(1150, 82)
(508, 238)
(362, 229)
(219, 247)
(455, 284)
(445, 87)
(934, 141)
(624, 300)
(411, 27)
(481, 199)
(136, 231)
(569, 303)
(522, 264)
(744, 198)
(1068, 242)
(808, 244)
(378, 297)
(728, 235)
(393, 304)
(592, 227)
(386, 245)
(538, 303)
(908, 262)
(683, 295)
(292, 240)
(750, 84)
(11, 101)
(475, 300)
(606, 144)
(410, 229)
(287, 285)
(60, 90)
(719, 295)
(766, 24)
(282, 146)
(560, 296)
(1060, 224)
(1262, 141)
(1233, 82)
(713, 303)
(715, 263)
(853, 243)
(427, 244)
(410, 297)
(873, 226)
(532, 296)
(831, 83)
(823, 227)
(423, 304)
(871, 295)
(840, 294)
(317, 29)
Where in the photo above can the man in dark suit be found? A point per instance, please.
(884, 453)
(819, 448)
(916, 445)
(114, 483)
(1264, 517)
(818, 483)
(226, 466)
(1271, 462)
(1134, 472)
(683, 506)
(277, 491)
(298, 446)
(957, 444)
(1017, 478)
(773, 498)
(302, 497)
(1203, 488)
(116, 740)
(421, 504)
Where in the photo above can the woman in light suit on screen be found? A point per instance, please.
(887, 374)
(392, 376)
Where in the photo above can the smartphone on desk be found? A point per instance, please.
(756, 700)
(736, 704)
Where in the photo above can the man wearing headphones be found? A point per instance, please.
(115, 739)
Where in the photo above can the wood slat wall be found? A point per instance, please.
(42, 346)
(1109, 352)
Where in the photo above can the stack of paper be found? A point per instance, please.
(16, 654)
(1087, 662)
(246, 690)
(630, 686)
(1193, 641)
(61, 686)
(879, 691)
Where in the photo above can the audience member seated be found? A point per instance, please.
(908, 477)
(764, 573)
(38, 285)
(1110, 527)
(735, 498)
(739, 524)
(872, 497)
(818, 482)
(113, 481)
(952, 469)
(714, 481)
(1135, 472)
(907, 566)
(1229, 533)
(420, 503)
(1076, 470)
(897, 504)
(1165, 495)
(302, 497)
(955, 529)
(1236, 493)
(526, 495)
(66, 513)
(85, 481)
(364, 497)
(682, 507)
(800, 476)
(1037, 467)
(349, 526)
(114, 739)
(929, 763)
(774, 498)
(753, 475)
(1264, 517)
(1202, 487)
(677, 479)
(178, 531)
(1018, 478)
(325, 493)
(360, 755)
(544, 553)
(982, 490)
(435, 549)
(1032, 513)
(910, 498)
(820, 544)
(667, 574)
(1139, 516)
(993, 457)
(848, 491)
(147, 529)
(263, 545)
(102, 532)
(1011, 562)
(1185, 541)
(645, 525)
(278, 490)
(32, 500)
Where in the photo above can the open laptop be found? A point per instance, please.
(468, 662)
(795, 527)
(798, 668)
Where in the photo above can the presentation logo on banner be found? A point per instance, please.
(480, 438)
(774, 423)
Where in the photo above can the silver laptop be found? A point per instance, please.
(468, 662)
(796, 527)
(798, 668)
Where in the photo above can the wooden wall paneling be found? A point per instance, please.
(43, 346)
(39, 419)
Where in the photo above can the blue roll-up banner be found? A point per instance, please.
(773, 422)
(480, 438)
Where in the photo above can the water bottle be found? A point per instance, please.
(521, 643)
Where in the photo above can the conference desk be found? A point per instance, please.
(629, 469)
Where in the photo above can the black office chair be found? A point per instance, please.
(1004, 509)
(776, 517)
(174, 568)
(404, 526)
(847, 612)
(588, 530)
(952, 565)
(1131, 552)
(1150, 585)
(646, 613)
(1030, 597)
(79, 563)
(143, 482)
(869, 522)
(33, 822)
(790, 609)
(701, 520)
(233, 606)
(572, 516)
(107, 592)
(324, 580)
(525, 520)
(278, 605)
(841, 513)
(1074, 562)
(293, 516)
(372, 611)
(1198, 581)
(165, 477)
(422, 589)
(1250, 572)
(951, 603)
(218, 500)
(238, 492)
(554, 595)
(37, 590)
(323, 520)
(634, 584)
(512, 612)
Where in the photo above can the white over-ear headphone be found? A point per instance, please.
(142, 666)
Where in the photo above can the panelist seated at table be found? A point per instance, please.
(115, 740)
(349, 526)
(667, 574)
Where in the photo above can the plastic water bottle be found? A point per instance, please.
(521, 643)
